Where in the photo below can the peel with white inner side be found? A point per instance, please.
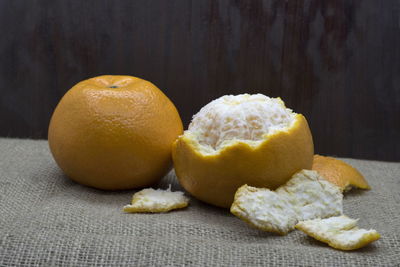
(150, 200)
(306, 196)
(339, 232)
(245, 118)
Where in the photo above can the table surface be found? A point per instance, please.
(46, 219)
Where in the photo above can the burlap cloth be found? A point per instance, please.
(47, 220)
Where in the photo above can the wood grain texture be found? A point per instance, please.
(335, 61)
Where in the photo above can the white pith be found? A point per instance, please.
(245, 118)
(305, 196)
(341, 231)
(151, 199)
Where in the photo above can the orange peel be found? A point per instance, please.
(339, 173)
(339, 232)
(306, 196)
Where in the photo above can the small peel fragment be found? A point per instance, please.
(306, 196)
(150, 200)
(339, 232)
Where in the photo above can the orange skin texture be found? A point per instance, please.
(114, 138)
(339, 173)
(215, 178)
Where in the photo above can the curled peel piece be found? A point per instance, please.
(150, 200)
(339, 173)
(339, 232)
(306, 196)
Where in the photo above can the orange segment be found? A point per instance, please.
(339, 173)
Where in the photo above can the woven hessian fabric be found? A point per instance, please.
(48, 220)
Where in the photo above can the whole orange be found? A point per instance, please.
(114, 132)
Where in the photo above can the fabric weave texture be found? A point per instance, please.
(48, 220)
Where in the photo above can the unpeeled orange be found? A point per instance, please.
(114, 132)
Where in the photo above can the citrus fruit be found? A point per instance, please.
(237, 140)
(339, 173)
(114, 132)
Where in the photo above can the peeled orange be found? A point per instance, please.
(114, 132)
(237, 140)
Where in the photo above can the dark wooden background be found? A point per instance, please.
(335, 61)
